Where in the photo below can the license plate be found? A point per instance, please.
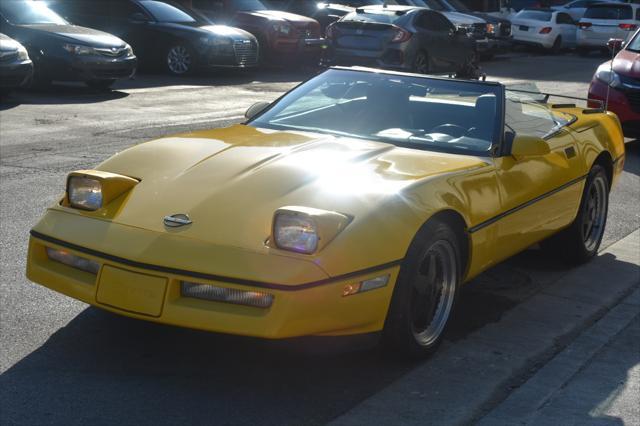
(131, 291)
(524, 28)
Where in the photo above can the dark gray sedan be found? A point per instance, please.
(15, 66)
(401, 37)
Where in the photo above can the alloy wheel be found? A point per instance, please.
(433, 293)
(594, 214)
(179, 60)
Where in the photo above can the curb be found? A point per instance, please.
(465, 380)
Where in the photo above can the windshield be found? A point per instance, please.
(421, 113)
(29, 13)
(534, 15)
(609, 12)
(163, 12)
(634, 44)
(373, 16)
(247, 5)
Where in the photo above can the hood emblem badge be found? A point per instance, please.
(176, 220)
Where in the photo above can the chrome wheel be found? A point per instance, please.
(179, 59)
(594, 213)
(433, 293)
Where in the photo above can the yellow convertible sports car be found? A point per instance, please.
(360, 201)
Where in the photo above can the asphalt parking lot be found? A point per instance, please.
(62, 362)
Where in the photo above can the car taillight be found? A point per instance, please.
(628, 27)
(584, 25)
(545, 30)
(332, 31)
(401, 35)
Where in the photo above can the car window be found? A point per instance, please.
(433, 21)
(634, 43)
(240, 5)
(534, 15)
(609, 11)
(373, 16)
(564, 18)
(577, 4)
(435, 5)
(29, 13)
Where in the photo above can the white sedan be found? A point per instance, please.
(604, 21)
(544, 28)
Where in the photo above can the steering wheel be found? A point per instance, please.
(450, 129)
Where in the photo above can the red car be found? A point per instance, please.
(622, 79)
(281, 35)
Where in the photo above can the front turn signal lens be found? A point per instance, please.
(366, 285)
(69, 259)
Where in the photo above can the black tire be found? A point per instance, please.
(421, 64)
(579, 242)
(180, 59)
(100, 84)
(407, 328)
(557, 46)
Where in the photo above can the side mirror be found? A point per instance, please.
(138, 17)
(615, 44)
(529, 146)
(255, 109)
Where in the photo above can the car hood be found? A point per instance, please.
(7, 44)
(463, 18)
(230, 181)
(276, 15)
(74, 33)
(627, 63)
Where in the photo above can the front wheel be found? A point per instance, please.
(580, 242)
(557, 45)
(180, 59)
(425, 292)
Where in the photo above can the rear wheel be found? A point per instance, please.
(425, 293)
(580, 242)
(557, 45)
(100, 84)
(421, 63)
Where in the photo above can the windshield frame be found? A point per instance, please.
(497, 144)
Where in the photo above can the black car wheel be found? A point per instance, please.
(580, 242)
(180, 59)
(557, 45)
(100, 84)
(425, 293)
(421, 63)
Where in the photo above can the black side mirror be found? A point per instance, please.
(139, 18)
(256, 109)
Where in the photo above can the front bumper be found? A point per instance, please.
(88, 68)
(297, 310)
(15, 74)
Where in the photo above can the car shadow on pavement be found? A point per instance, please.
(58, 94)
(103, 368)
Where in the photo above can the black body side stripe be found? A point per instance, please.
(205, 276)
(523, 205)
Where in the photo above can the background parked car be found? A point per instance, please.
(498, 29)
(576, 8)
(325, 12)
(281, 35)
(604, 21)
(61, 51)
(400, 37)
(165, 35)
(476, 28)
(546, 28)
(621, 80)
(15, 66)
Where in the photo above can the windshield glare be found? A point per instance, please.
(164, 12)
(534, 15)
(29, 13)
(421, 113)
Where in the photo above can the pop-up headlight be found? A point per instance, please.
(93, 189)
